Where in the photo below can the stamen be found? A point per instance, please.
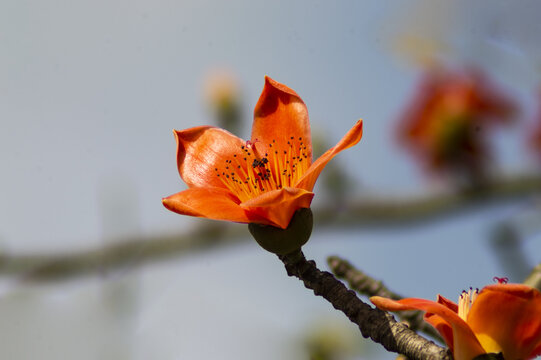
(250, 174)
(465, 302)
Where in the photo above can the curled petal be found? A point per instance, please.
(280, 115)
(352, 137)
(441, 325)
(451, 305)
(507, 317)
(465, 345)
(202, 149)
(212, 203)
(277, 207)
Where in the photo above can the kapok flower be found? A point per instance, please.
(264, 180)
(445, 125)
(502, 318)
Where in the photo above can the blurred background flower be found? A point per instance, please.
(223, 97)
(535, 131)
(447, 122)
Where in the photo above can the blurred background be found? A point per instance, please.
(89, 95)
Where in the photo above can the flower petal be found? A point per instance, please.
(277, 206)
(444, 328)
(212, 203)
(465, 344)
(352, 137)
(280, 115)
(536, 351)
(202, 149)
(508, 317)
(491, 100)
(451, 305)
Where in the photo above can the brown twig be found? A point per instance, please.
(376, 211)
(373, 323)
(120, 254)
(366, 285)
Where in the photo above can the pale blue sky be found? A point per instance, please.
(90, 92)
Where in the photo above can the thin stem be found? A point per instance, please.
(366, 285)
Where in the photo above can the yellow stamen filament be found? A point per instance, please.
(465, 302)
(249, 174)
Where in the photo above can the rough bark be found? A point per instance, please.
(373, 323)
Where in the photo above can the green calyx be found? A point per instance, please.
(284, 241)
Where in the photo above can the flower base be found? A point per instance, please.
(284, 241)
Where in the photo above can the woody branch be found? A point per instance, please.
(380, 326)
(374, 212)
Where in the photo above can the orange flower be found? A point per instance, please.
(445, 125)
(264, 180)
(500, 318)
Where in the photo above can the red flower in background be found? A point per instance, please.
(446, 124)
(535, 134)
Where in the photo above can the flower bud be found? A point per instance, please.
(284, 241)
